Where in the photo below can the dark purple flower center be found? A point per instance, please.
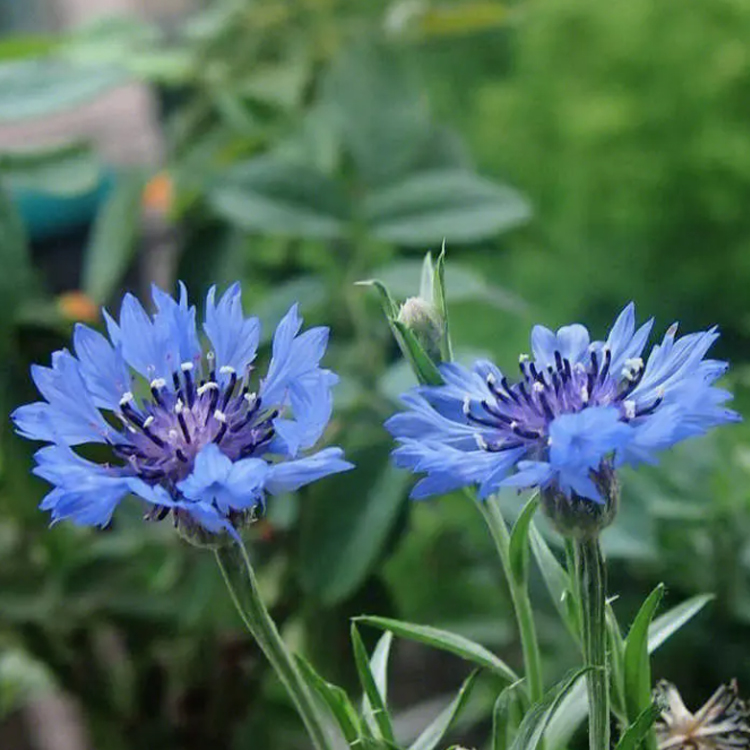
(164, 434)
(523, 411)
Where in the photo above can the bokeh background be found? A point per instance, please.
(574, 155)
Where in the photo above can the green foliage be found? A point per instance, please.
(625, 123)
(531, 732)
(113, 239)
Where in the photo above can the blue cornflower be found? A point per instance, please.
(579, 410)
(186, 431)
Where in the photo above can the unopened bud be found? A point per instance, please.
(423, 320)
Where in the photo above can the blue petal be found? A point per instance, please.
(146, 345)
(573, 342)
(229, 485)
(293, 357)
(543, 345)
(311, 404)
(233, 336)
(85, 493)
(178, 319)
(102, 367)
(530, 474)
(70, 415)
(291, 475)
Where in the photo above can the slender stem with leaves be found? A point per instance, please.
(519, 594)
(240, 579)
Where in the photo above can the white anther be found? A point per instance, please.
(131, 428)
(227, 370)
(250, 397)
(585, 394)
(491, 379)
(660, 393)
(513, 425)
(172, 435)
(467, 405)
(219, 416)
(629, 409)
(126, 398)
(186, 366)
(210, 356)
(634, 363)
(207, 387)
(523, 358)
(579, 367)
(179, 406)
(158, 383)
(481, 442)
(148, 421)
(538, 387)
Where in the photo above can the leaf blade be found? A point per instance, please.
(445, 641)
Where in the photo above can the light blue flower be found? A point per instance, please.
(580, 409)
(194, 438)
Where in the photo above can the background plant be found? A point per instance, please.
(280, 168)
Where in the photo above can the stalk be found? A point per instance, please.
(239, 577)
(592, 586)
(519, 595)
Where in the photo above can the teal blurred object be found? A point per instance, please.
(48, 215)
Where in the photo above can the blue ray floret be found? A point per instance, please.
(578, 411)
(187, 432)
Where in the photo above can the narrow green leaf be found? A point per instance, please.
(379, 664)
(556, 580)
(637, 731)
(113, 238)
(424, 368)
(335, 698)
(637, 669)
(573, 712)
(427, 279)
(445, 641)
(617, 659)
(375, 710)
(670, 622)
(389, 306)
(435, 732)
(518, 551)
(503, 724)
(439, 300)
(532, 727)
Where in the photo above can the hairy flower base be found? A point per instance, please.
(192, 433)
(577, 516)
(580, 409)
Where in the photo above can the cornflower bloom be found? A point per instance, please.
(579, 410)
(191, 432)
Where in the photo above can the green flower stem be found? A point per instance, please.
(519, 594)
(592, 584)
(239, 577)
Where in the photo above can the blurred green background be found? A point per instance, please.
(574, 155)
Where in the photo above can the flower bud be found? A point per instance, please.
(579, 517)
(423, 320)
